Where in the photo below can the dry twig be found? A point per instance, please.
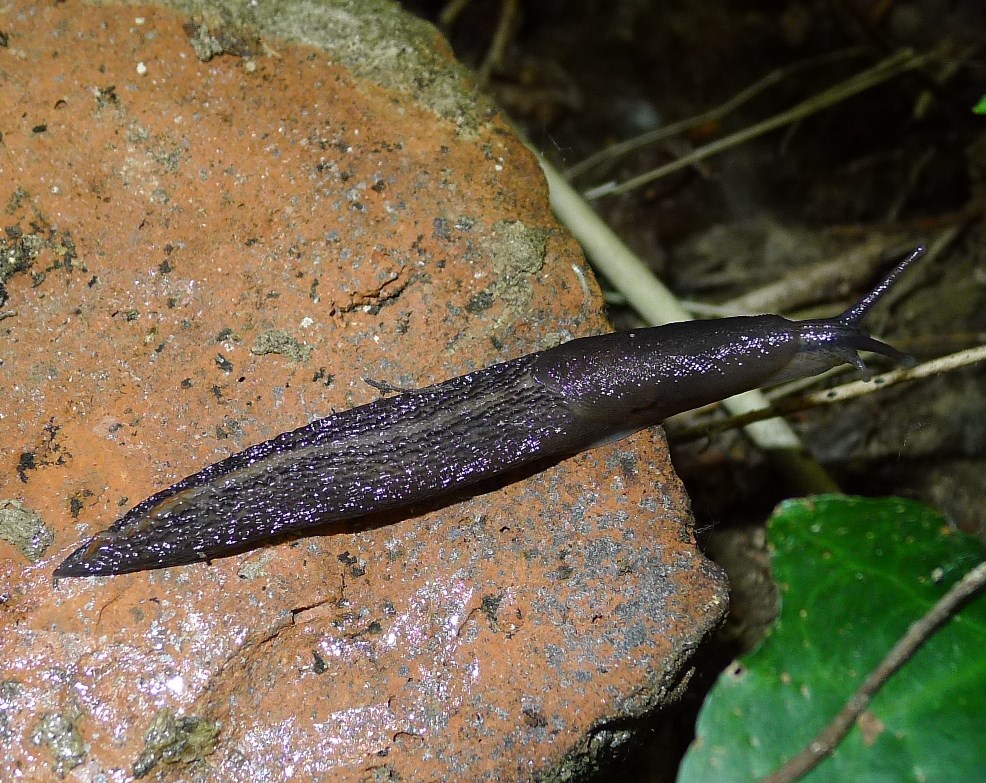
(808, 284)
(618, 150)
(896, 64)
(501, 37)
(841, 393)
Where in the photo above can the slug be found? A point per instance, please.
(428, 444)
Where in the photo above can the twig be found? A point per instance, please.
(618, 150)
(841, 393)
(501, 36)
(914, 172)
(896, 64)
(807, 284)
(609, 255)
(826, 741)
(451, 12)
(813, 282)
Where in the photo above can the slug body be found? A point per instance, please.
(422, 445)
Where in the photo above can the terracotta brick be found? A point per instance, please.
(223, 250)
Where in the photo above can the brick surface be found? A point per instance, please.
(219, 251)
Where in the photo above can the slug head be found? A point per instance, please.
(829, 342)
(617, 383)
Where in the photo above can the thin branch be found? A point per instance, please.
(831, 278)
(451, 12)
(809, 284)
(618, 150)
(848, 391)
(501, 37)
(828, 739)
(896, 64)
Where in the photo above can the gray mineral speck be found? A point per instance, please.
(24, 530)
(57, 732)
(277, 341)
(171, 739)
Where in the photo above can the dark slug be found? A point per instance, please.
(428, 443)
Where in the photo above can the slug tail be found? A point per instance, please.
(89, 560)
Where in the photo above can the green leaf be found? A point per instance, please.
(980, 107)
(854, 574)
